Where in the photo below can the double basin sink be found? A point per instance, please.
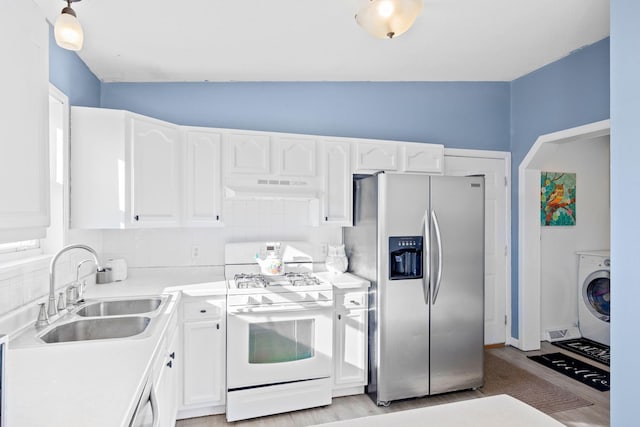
(106, 319)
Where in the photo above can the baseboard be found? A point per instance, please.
(200, 412)
(513, 342)
(490, 346)
(347, 391)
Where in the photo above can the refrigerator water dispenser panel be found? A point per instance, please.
(405, 257)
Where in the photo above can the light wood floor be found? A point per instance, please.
(596, 415)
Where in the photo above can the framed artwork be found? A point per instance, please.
(557, 198)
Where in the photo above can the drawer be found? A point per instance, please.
(352, 300)
(205, 309)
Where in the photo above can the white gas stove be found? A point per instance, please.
(279, 332)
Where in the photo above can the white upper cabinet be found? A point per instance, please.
(125, 170)
(154, 167)
(202, 178)
(375, 156)
(418, 157)
(295, 156)
(24, 165)
(336, 172)
(248, 153)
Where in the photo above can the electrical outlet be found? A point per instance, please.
(323, 248)
(195, 251)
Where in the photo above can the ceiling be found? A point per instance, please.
(304, 40)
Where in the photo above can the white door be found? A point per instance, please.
(496, 225)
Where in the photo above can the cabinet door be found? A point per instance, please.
(155, 163)
(202, 170)
(423, 158)
(336, 201)
(295, 156)
(204, 363)
(350, 354)
(173, 366)
(24, 165)
(248, 153)
(376, 156)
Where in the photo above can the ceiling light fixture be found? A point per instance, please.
(67, 30)
(388, 18)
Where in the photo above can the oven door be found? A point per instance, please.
(278, 343)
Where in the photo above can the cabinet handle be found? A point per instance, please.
(339, 316)
(354, 302)
(203, 311)
(173, 355)
(326, 218)
(137, 217)
(217, 217)
(217, 325)
(170, 364)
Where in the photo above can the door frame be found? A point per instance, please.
(529, 231)
(506, 157)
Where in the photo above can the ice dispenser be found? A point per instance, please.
(405, 257)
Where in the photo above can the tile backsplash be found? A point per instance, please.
(24, 284)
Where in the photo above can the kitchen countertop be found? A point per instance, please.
(344, 280)
(97, 383)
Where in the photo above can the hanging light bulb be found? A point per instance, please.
(67, 30)
(388, 18)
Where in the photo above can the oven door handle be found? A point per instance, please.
(280, 308)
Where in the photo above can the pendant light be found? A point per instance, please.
(388, 18)
(68, 31)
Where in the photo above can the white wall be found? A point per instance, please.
(244, 221)
(589, 159)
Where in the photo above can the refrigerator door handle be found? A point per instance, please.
(436, 227)
(426, 258)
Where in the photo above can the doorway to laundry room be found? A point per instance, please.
(564, 209)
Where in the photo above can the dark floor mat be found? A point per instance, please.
(585, 347)
(587, 374)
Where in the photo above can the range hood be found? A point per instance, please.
(272, 188)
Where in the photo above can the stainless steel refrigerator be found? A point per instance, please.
(419, 239)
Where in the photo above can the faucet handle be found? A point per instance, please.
(43, 318)
(72, 295)
(61, 303)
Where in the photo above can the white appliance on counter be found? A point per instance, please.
(279, 333)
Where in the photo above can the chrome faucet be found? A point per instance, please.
(52, 309)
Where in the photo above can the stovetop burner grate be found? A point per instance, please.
(253, 280)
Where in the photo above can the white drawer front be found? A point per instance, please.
(205, 309)
(353, 300)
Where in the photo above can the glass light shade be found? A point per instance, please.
(68, 32)
(388, 18)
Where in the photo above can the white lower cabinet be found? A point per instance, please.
(350, 343)
(204, 348)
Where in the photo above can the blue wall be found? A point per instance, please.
(457, 114)
(476, 115)
(68, 73)
(625, 205)
(570, 92)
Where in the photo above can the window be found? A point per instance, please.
(25, 245)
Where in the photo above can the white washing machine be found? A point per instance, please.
(593, 295)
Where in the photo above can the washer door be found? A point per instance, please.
(595, 294)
